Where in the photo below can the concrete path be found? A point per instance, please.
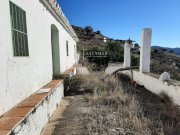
(57, 115)
(68, 118)
(113, 67)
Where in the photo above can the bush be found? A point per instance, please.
(135, 60)
(89, 31)
(115, 52)
(156, 51)
(71, 84)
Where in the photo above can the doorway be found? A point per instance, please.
(55, 50)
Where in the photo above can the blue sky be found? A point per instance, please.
(121, 19)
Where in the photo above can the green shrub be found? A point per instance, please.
(115, 52)
(72, 85)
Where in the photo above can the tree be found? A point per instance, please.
(98, 32)
(136, 45)
(89, 31)
(96, 57)
(156, 51)
(115, 52)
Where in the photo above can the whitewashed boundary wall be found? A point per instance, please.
(156, 86)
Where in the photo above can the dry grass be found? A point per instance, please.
(165, 98)
(115, 107)
(164, 61)
(116, 111)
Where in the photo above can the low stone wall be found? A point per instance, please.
(156, 86)
(30, 116)
(36, 120)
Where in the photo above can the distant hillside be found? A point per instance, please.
(174, 50)
(162, 60)
(88, 38)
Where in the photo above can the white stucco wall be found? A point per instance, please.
(156, 86)
(22, 76)
(35, 122)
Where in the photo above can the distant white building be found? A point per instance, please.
(36, 42)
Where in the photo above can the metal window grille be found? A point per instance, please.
(19, 31)
(67, 48)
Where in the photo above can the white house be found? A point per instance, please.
(36, 42)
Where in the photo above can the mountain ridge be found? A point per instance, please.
(175, 50)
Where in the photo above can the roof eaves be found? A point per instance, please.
(56, 11)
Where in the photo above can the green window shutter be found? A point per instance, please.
(67, 48)
(19, 31)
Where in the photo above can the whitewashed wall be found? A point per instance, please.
(156, 86)
(22, 76)
(36, 121)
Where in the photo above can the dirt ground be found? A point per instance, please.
(69, 119)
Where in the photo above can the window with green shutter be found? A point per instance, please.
(19, 31)
(67, 48)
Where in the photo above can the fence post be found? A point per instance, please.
(145, 52)
(127, 54)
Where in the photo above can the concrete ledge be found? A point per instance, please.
(156, 86)
(30, 116)
(70, 72)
